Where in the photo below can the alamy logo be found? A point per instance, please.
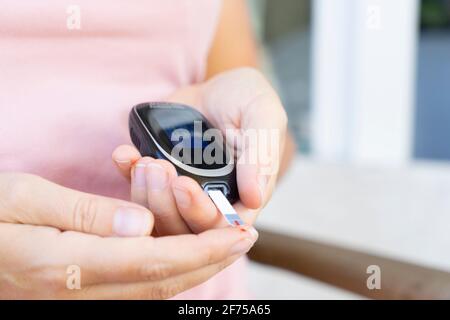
(252, 146)
(373, 17)
(73, 21)
(374, 280)
(73, 281)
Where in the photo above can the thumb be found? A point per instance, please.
(29, 199)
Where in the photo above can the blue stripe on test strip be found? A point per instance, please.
(225, 208)
(234, 219)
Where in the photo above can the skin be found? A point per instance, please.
(45, 228)
(234, 85)
(75, 229)
(235, 27)
(239, 99)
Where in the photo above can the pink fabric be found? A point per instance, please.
(65, 94)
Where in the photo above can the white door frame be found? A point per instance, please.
(363, 71)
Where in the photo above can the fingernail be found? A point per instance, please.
(157, 177)
(241, 247)
(139, 179)
(183, 197)
(122, 162)
(252, 231)
(131, 222)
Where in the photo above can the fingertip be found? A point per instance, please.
(148, 229)
(249, 193)
(125, 154)
(251, 231)
(248, 186)
(229, 235)
(148, 222)
(124, 157)
(132, 221)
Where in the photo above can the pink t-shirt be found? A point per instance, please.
(65, 92)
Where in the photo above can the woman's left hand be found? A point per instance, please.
(239, 101)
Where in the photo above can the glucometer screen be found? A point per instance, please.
(182, 127)
(186, 135)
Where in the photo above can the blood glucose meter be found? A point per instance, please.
(183, 136)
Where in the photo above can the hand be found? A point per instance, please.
(240, 100)
(45, 228)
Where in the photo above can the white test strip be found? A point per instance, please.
(225, 208)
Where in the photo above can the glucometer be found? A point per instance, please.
(183, 136)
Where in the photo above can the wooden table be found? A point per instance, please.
(400, 213)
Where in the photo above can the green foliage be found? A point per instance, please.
(435, 14)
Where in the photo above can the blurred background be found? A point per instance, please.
(366, 85)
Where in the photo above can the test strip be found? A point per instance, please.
(225, 208)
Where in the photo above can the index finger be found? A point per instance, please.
(116, 260)
(124, 157)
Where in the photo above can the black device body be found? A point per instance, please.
(152, 126)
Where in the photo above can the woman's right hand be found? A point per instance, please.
(46, 229)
